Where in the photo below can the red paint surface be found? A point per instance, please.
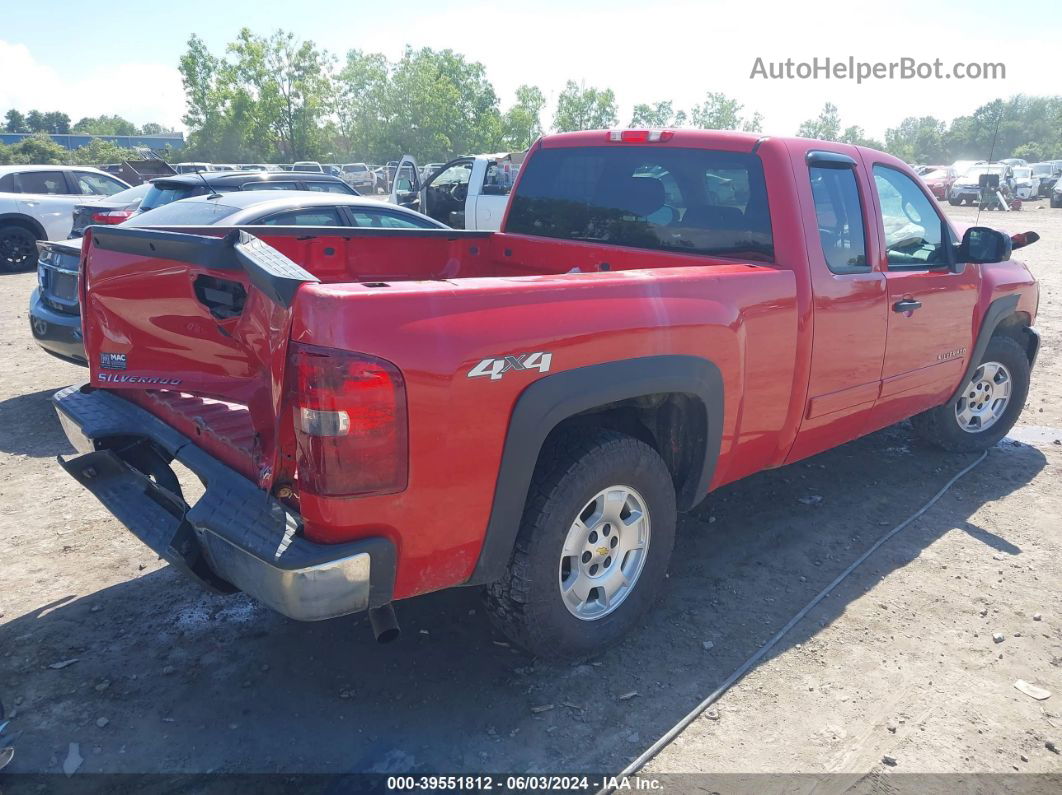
(809, 359)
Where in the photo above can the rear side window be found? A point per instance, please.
(330, 187)
(314, 216)
(198, 213)
(840, 219)
(693, 201)
(269, 185)
(371, 218)
(53, 182)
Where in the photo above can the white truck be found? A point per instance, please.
(469, 192)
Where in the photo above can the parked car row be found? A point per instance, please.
(959, 183)
(230, 198)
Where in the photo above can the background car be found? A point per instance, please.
(939, 180)
(37, 203)
(109, 210)
(1026, 184)
(1056, 195)
(1048, 175)
(184, 186)
(360, 177)
(967, 188)
(311, 166)
(55, 315)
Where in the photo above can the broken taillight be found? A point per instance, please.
(350, 422)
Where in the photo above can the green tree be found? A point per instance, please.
(1032, 152)
(98, 151)
(720, 112)
(152, 128)
(16, 122)
(826, 126)
(432, 104)
(105, 125)
(285, 87)
(57, 122)
(918, 140)
(35, 122)
(657, 114)
(856, 136)
(39, 148)
(582, 108)
(522, 123)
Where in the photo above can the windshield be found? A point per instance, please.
(198, 213)
(977, 171)
(1043, 169)
(692, 201)
(1022, 173)
(939, 173)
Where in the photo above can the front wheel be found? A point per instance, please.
(593, 548)
(18, 248)
(988, 405)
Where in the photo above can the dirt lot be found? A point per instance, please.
(899, 661)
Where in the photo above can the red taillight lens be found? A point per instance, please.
(112, 216)
(350, 422)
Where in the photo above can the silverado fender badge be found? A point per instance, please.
(496, 368)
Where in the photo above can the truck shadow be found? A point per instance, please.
(198, 683)
(28, 426)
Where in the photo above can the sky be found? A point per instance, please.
(115, 58)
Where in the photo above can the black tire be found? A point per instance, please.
(1056, 201)
(526, 604)
(18, 248)
(954, 202)
(941, 427)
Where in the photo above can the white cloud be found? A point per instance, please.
(140, 92)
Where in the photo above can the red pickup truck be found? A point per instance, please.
(375, 414)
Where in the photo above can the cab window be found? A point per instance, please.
(839, 216)
(915, 233)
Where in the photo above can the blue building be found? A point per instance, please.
(75, 140)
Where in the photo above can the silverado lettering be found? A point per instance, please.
(693, 307)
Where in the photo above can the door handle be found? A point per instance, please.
(906, 305)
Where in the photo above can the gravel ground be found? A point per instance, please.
(102, 646)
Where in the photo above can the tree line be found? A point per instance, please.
(276, 98)
(58, 123)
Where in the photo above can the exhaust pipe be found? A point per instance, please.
(384, 623)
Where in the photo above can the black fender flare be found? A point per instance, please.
(21, 219)
(551, 400)
(999, 309)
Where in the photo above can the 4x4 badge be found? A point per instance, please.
(496, 368)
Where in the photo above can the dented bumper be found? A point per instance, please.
(234, 537)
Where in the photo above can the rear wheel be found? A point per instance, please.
(988, 405)
(593, 548)
(954, 202)
(18, 248)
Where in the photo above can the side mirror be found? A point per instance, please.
(983, 245)
(1023, 239)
